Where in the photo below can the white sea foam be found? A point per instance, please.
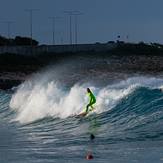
(35, 100)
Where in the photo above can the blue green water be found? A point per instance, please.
(37, 123)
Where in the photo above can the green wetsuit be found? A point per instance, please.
(91, 101)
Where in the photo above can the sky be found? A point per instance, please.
(101, 20)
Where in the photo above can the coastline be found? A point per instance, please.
(126, 59)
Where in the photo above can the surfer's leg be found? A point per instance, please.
(91, 105)
(87, 107)
(92, 108)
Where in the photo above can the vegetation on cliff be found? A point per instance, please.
(17, 41)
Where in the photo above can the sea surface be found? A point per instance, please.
(38, 122)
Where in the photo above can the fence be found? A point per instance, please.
(28, 50)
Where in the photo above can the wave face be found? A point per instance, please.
(39, 124)
(36, 100)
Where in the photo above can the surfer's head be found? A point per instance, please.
(88, 90)
(92, 137)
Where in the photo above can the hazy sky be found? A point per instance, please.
(102, 20)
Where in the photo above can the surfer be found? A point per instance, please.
(92, 100)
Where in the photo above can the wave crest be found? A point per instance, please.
(35, 100)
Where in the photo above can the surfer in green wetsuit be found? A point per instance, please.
(92, 100)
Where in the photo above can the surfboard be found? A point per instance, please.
(83, 114)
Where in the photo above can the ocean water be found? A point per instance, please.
(38, 123)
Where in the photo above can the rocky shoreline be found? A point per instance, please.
(151, 65)
(14, 69)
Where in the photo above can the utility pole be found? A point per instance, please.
(9, 23)
(76, 14)
(53, 27)
(31, 22)
(70, 13)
